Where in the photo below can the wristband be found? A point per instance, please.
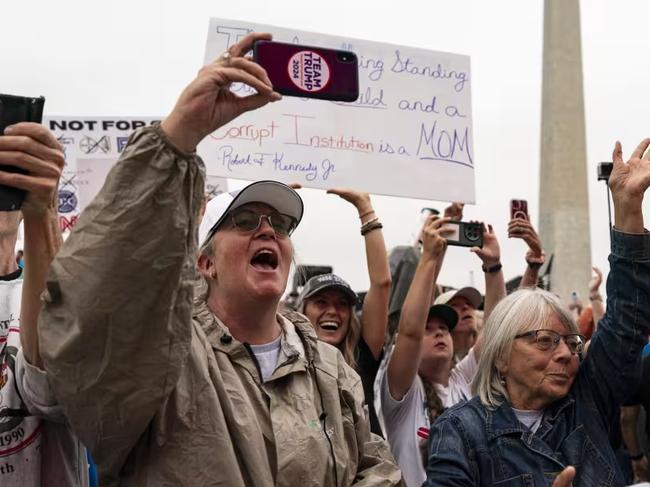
(493, 269)
(534, 265)
(361, 217)
(637, 457)
(366, 229)
(370, 222)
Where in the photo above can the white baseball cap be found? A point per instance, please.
(279, 196)
(472, 295)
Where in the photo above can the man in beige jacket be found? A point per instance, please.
(223, 391)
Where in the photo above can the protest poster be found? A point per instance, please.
(92, 146)
(408, 134)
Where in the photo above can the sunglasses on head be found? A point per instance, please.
(249, 221)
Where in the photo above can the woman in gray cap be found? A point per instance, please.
(222, 390)
(329, 303)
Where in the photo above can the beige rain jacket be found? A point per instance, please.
(159, 391)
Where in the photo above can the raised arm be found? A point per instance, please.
(595, 298)
(535, 256)
(495, 286)
(374, 318)
(611, 369)
(405, 359)
(33, 148)
(116, 326)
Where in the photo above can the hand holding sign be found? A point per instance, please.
(207, 103)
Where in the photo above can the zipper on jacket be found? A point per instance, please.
(247, 346)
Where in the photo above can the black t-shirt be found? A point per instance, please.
(368, 367)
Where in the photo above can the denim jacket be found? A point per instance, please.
(472, 445)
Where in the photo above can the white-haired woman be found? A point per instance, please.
(540, 413)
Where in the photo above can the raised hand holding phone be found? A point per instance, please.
(207, 102)
(490, 252)
(13, 110)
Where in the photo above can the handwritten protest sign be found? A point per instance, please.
(92, 146)
(408, 134)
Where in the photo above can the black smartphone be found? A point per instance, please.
(309, 72)
(465, 234)
(14, 109)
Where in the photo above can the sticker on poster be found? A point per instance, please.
(67, 201)
(309, 71)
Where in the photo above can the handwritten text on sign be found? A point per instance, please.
(408, 134)
(92, 146)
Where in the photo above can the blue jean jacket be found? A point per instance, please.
(472, 445)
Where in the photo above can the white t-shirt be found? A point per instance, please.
(20, 433)
(403, 418)
(267, 356)
(531, 419)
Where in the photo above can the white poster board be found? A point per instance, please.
(92, 146)
(408, 134)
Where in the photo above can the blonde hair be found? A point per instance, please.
(522, 311)
(351, 340)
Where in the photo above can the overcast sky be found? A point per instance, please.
(133, 58)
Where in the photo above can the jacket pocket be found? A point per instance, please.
(592, 467)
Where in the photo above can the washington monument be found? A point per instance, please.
(563, 198)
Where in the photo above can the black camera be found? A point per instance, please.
(604, 170)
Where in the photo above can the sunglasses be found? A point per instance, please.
(249, 221)
(548, 340)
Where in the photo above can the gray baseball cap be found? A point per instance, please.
(326, 281)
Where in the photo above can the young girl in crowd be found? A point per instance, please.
(329, 303)
(419, 382)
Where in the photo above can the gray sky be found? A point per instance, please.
(133, 58)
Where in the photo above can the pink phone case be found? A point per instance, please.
(309, 72)
(519, 209)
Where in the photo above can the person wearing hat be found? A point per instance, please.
(465, 302)
(329, 304)
(419, 382)
(168, 387)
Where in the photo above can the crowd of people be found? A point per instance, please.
(155, 346)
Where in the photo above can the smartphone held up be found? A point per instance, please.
(464, 234)
(309, 72)
(15, 109)
(519, 209)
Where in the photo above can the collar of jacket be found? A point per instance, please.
(503, 421)
(297, 340)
